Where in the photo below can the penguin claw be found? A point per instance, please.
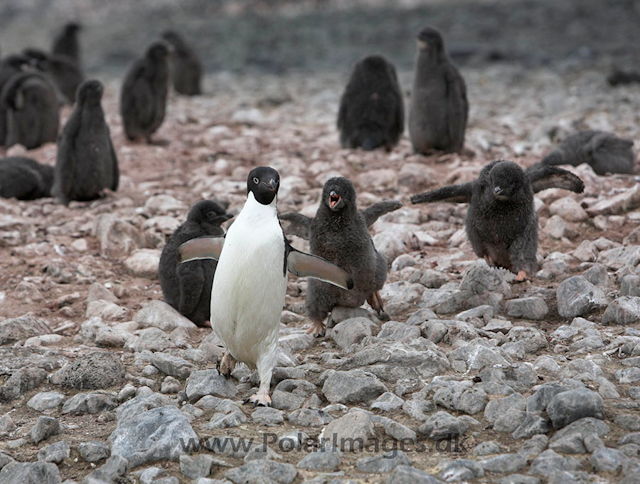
(226, 365)
(521, 277)
(375, 301)
(316, 329)
(260, 399)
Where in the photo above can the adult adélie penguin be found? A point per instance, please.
(250, 282)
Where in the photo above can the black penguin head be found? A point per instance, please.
(90, 92)
(430, 40)
(264, 183)
(373, 63)
(208, 212)
(338, 194)
(158, 51)
(172, 37)
(507, 181)
(72, 28)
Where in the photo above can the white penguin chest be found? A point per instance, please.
(250, 283)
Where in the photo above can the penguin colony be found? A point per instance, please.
(236, 282)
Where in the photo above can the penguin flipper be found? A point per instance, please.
(297, 224)
(201, 248)
(452, 194)
(546, 177)
(307, 265)
(377, 210)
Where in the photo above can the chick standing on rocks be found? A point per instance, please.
(186, 69)
(86, 162)
(24, 178)
(439, 108)
(371, 109)
(187, 287)
(66, 42)
(143, 98)
(501, 223)
(604, 152)
(339, 233)
(29, 111)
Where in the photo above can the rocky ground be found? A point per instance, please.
(473, 378)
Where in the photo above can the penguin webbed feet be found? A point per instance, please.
(317, 329)
(260, 399)
(521, 276)
(226, 365)
(375, 301)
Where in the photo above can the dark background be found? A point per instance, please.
(280, 36)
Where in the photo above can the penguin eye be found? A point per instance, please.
(255, 180)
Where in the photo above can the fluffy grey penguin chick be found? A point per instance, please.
(438, 108)
(186, 69)
(29, 111)
(86, 162)
(24, 178)
(501, 223)
(250, 282)
(339, 233)
(604, 152)
(187, 287)
(371, 108)
(143, 97)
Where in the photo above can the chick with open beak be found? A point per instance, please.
(335, 201)
(339, 233)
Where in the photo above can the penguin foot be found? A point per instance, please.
(227, 364)
(375, 301)
(317, 329)
(260, 399)
(521, 277)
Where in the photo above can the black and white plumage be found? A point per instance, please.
(64, 71)
(439, 108)
(143, 97)
(24, 178)
(86, 162)
(67, 43)
(250, 282)
(604, 152)
(187, 287)
(29, 111)
(501, 222)
(371, 111)
(186, 69)
(339, 233)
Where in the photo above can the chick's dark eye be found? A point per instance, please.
(255, 180)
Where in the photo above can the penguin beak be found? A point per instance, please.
(500, 193)
(334, 199)
(271, 186)
(228, 216)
